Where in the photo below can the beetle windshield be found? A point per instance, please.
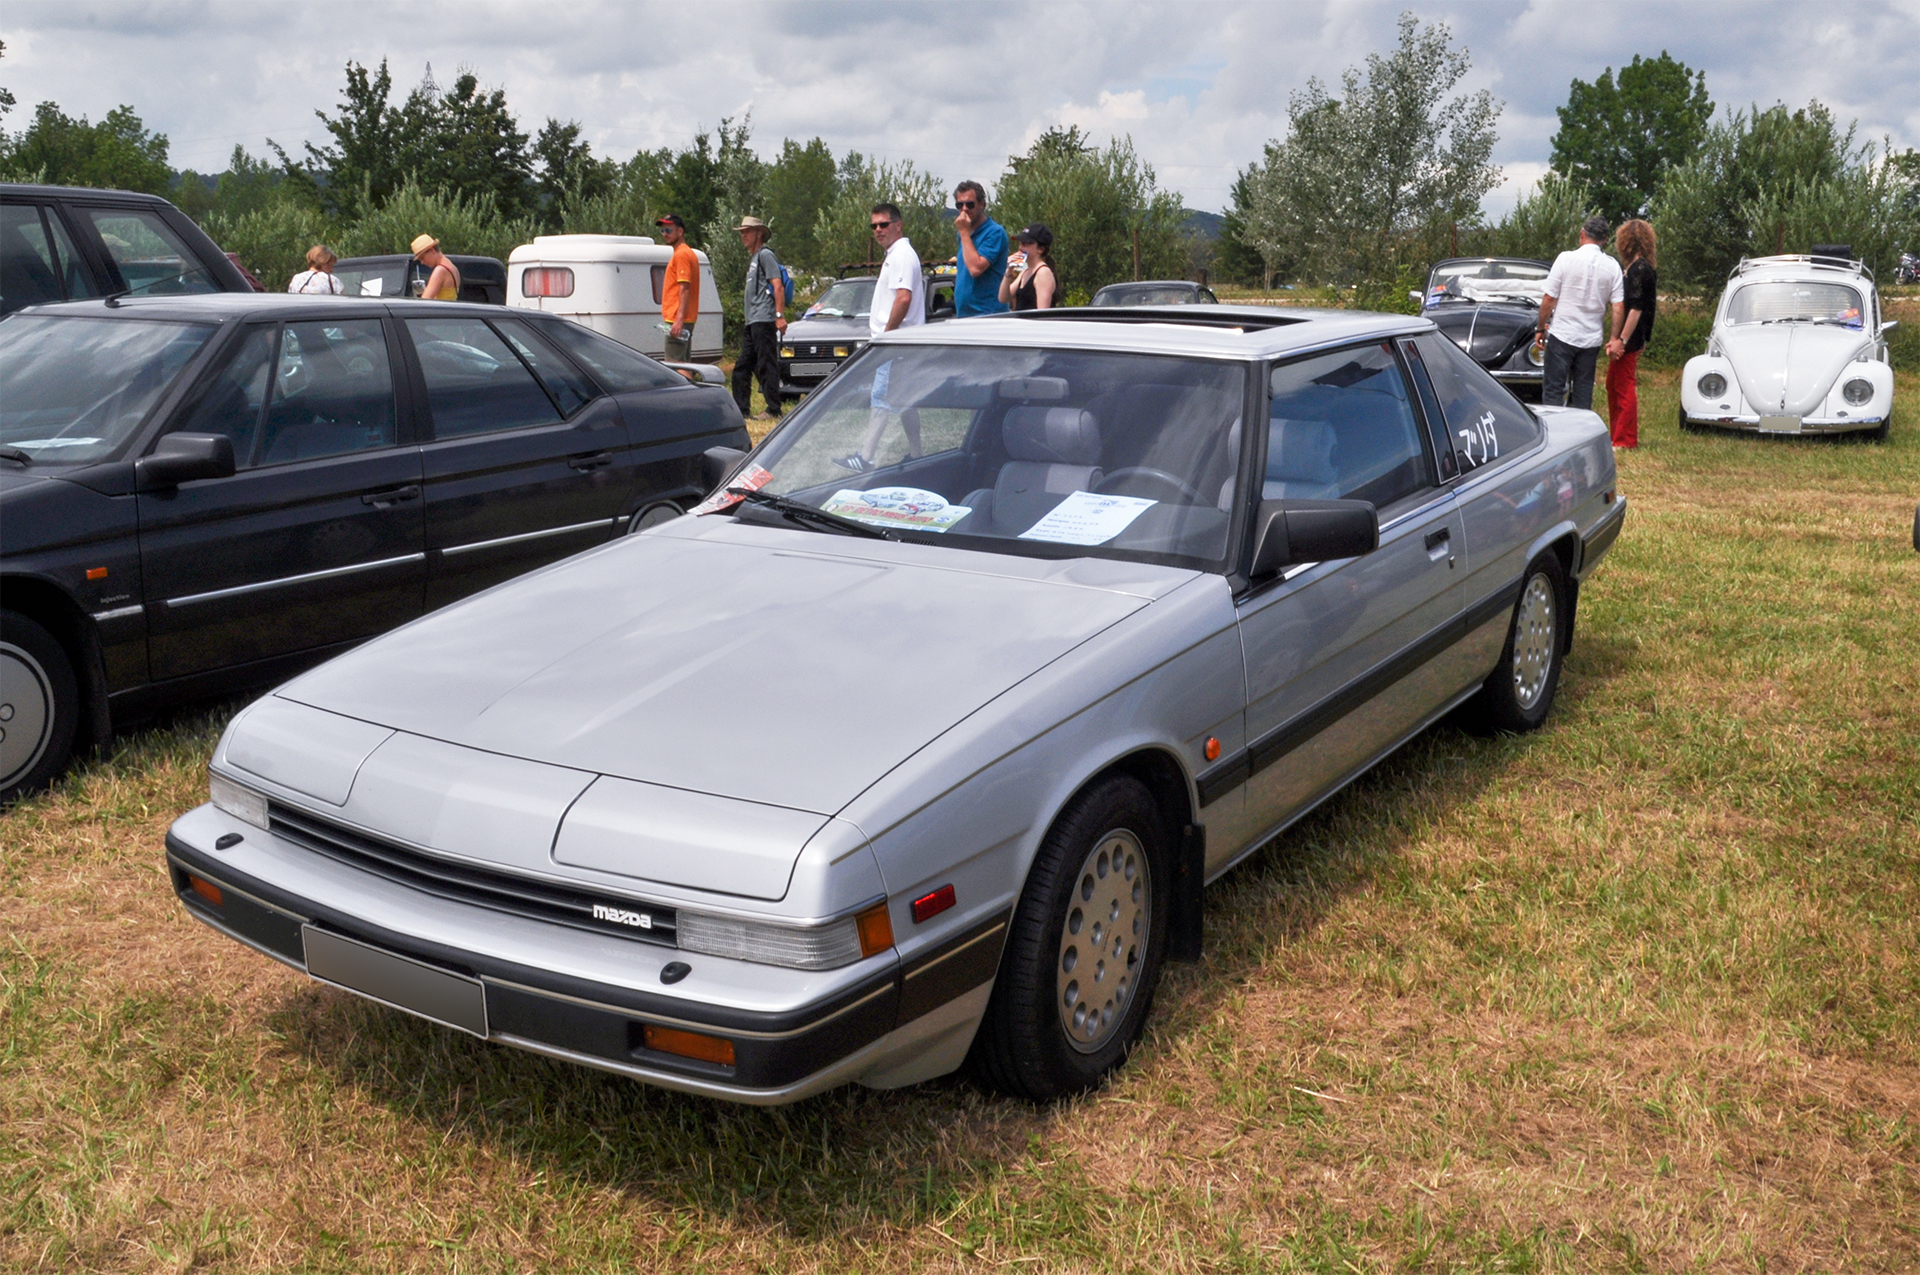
(847, 299)
(1784, 301)
(1042, 452)
(77, 388)
(1488, 281)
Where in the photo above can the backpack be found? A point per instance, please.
(786, 280)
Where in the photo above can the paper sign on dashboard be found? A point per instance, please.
(897, 507)
(1088, 519)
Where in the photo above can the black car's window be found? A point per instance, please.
(1430, 408)
(1341, 428)
(73, 271)
(76, 387)
(332, 392)
(569, 389)
(1485, 420)
(232, 401)
(619, 368)
(475, 383)
(29, 271)
(150, 256)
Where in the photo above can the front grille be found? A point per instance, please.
(467, 883)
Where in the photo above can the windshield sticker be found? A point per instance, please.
(753, 478)
(908, 507)
(372, 287)
(1088, 519)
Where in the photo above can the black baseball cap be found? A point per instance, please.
(1036, 233)
(671, 219)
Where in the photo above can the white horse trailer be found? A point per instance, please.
(611, 283)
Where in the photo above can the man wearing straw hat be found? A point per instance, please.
(766, 318)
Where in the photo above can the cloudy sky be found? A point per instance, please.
(1199, 85)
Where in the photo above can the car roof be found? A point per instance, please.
(1525, 261)
(1214, 331)
(80, 194)
(1799, 269)
(223, 307)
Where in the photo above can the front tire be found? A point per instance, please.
(1084, 952)
(1518, 694)
(39, 706)
(653, 516)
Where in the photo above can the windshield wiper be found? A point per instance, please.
(805, 514)
(15, 455)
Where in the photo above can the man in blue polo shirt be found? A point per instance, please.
(983, 254)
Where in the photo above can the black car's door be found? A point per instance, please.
(317, 539)
(526, 462)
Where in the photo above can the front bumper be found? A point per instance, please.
(1806, 424)
(591, 1002)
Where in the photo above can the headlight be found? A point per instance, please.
(1857, 391)
(786, 351)
(1713, 385)
(805, 947)
(237, 799)
(1537, 353)
(840, 351)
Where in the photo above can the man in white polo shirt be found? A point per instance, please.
(1584, 288)
(899, 301)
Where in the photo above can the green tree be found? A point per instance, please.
(801, 182)
(364, 164)
(248, 185)
(1380, 176)
(842, 230)
(1235, 258)
(465, 143)
(1109, 217)
(569, 171)
(118, 153)
(1544, 222)
(1620, 139)
(698, 179)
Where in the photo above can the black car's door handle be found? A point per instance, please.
(1437, 538)
(392, 496)
(598, 460)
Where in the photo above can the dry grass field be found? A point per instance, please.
(1638, 993)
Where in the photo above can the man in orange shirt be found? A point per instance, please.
(680, 294)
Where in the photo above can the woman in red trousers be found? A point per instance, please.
(1633, 243)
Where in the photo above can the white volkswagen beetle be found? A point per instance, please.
(1798, 346)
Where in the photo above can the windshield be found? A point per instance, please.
(76, 389)
(1047, 453)
(847, 299)
(1162, 294)
(392, 279)
(1488, 281)
(1809, 302)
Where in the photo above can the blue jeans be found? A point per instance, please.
(1568, 378)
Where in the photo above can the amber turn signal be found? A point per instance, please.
(205, 889)
(876, 930)
(671, 1040)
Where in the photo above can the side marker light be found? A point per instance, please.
(205, 889)
(928, 906)
(1213, 749)
(671, 1040)
(96, 573)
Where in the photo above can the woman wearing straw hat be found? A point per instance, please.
(444, 283)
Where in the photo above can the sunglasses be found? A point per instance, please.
(881, 225)
(966, 203)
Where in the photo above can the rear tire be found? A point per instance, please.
(1084, 951)
(39, 706)
(1518, 694)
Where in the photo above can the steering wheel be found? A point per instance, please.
(1171, 482)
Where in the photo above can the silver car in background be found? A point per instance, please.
(917, 742)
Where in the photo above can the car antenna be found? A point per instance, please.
(112, 299)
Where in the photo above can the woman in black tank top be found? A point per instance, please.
(1035, 286)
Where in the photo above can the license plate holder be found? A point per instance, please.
(1779, 424)
(440, 996)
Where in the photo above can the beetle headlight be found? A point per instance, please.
(1537, 353)
(1857, 391)
(1713, 385)
(237, 799)
(805, 947)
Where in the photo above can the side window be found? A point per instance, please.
(231, 404)
(1430, 408)
(618, 367)
(1485, 420)
(1341, 428)
(659, 276)
(29, 274)
(73, 271)
(475, 383)
(151, 257)
(569, 389)
(332, 392)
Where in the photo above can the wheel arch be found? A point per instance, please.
(49, 606)
(1563, 542)
(1159, 771)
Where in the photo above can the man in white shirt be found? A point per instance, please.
(899, 301)
(1584, 288)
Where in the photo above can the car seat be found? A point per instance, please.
(1300, 461)
(1055, 452)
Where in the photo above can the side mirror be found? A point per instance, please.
(717, 462)
(179, 458)
(1290, 532)
(1889, 325)
(1414, 297)
(700, 373)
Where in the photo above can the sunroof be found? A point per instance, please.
(1166, 316)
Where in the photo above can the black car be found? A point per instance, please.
(834, 328)
(202, 493)
(482, 279)
(1489, 307)
(62, 243)
(1155, 292)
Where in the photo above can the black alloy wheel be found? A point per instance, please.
(1084, 952)
(1518, 694)
(39, 706)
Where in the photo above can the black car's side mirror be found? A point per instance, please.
(717, 462)
(1290, 532)
(179, 458)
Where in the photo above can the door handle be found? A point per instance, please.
(382, 499)
(1437, 538)
(598, 460)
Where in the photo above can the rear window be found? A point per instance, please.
(77, 388)
(618, 367)
(1484, 419)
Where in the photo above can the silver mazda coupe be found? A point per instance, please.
(915, 744)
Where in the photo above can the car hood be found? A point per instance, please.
(822, 327)
(1485, 330)
(1789, 368)
(751, 663)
